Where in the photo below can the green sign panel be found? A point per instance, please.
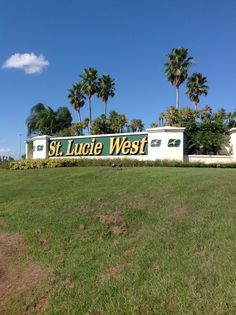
(135, 144)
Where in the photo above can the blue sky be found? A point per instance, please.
(128, 39)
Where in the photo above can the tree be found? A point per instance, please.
(117, 122)
(63, 118)
(89, 87)
(76, 98)
(206, 135)
(31, 121)
(172, 117)
(136, 125)
(161, 119)
(100, 126)
(187, 115)
(154, 125)
(231, 122)
(205, 113)
(86, 124)
(44, 120)
(73, 130)
(105, 89)
(196, 86)
(177, 68)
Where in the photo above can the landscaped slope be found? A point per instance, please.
(130, 241)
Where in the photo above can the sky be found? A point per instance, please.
(46, 44)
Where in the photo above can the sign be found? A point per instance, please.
(131, 144)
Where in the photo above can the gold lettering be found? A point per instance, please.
(98, 148)
(77, 148)
(58, 146)
(92, 146)
(85, 149)
(126, 147)
(135, 147)
(116, 145)
(69, 150)
(52, 148)
(142, 147)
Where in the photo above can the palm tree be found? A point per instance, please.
(161, 119)
(46, 121)
(177, 68)
(136, 125)
(76, 98)
(43, 120)
(86, 124)
(154, 125)
(89, 87)
(172, 116)
(196, 87)
(31, 121)
(105, 89)
(117, 122)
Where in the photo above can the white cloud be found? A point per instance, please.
(30, 63)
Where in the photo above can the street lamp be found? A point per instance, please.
(20, 146)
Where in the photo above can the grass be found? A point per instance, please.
(130, 241)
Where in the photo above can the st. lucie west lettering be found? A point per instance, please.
(94, 147)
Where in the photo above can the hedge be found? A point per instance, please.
(83, 162)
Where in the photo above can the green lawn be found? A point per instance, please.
(131, 241)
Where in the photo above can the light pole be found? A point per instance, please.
(20, 146)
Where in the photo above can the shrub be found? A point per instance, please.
(83, 162)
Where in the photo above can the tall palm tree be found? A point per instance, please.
(105, 89)
(196, 86)
(77, 98)
(89, 87)
(177, 68)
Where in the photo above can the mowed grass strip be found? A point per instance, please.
(130, 241)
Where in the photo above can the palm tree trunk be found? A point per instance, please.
(105, 109)
(177, 97)
(79, 116)
(90, 113)
(195, 106)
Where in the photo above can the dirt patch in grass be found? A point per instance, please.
(122, 193)
(180, 213)
(112, 217)
(118, 229)
(68, 282)
(115, 271)
(114, 221)
(24, 285)
(82, 209)
(200, 253)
